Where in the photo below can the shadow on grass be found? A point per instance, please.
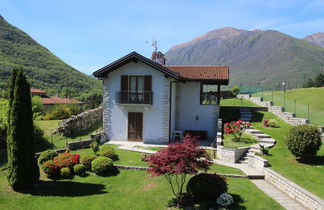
(65, 188)
(257, 117)
(237, 202)
(87, 131)
(316, 161)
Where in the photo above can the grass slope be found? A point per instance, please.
(312, 96)
(43, 69)
(236, 102)
(281, 160)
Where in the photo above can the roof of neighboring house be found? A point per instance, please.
(57, 100)
(202, 72)
(37, 91)
(211, 74)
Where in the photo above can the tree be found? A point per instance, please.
(177, 161)
(235, 90)
(23, 170)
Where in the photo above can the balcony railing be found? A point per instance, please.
(128, 97)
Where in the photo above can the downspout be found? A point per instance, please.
(170, 110)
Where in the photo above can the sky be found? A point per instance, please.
(89, 34)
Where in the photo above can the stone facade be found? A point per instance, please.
(229, 154)
(166, 111)
(81, 122)
(277, 110)
(294, 191)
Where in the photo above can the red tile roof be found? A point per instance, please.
(57, 100)
(37, 91)
(202, 72)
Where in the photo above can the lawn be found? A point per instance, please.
(296, 101)
(58, 141)
(307, 176)
(127, 190)
(236, 102)
(246, 140)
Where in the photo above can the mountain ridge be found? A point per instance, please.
(316, 38)
(253, 56)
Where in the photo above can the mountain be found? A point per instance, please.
(43, 69)
(255, 57)
(317, 39)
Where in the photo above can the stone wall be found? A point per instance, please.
(257, 162)
(80, 123)
(294, 191)
(231, 155)
(277, 110)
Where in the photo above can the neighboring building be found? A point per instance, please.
(146, 101)
(48, 101)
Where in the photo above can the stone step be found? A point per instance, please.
(245, 119)
(267, 140)
(246, 115)
(253, 131)
(243, 161)
(267, 145)
(261, 135)
(249, 113)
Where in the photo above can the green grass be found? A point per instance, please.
(307, 176)
(127, 190)
(236, 102)
(302, 97)
(58, 141)
(246, 140)
(149, 148)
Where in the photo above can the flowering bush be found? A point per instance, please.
(236, 128)
(266, 123)
(67, 160)
(225, 200)
(52, 167)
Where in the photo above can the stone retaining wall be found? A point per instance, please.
(230, 155)
(294, 191)
(257, 162)
(79, 123)
(277, 110)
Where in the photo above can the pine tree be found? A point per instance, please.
(23, 170)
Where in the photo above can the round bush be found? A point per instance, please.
(66, 172)
(102, 166)
(304, 141)
(79, 169)
(86, 161)
(47, 155)
(273, 123)
(108, 151)
(52, 169)
(95, 146)
(206, 187)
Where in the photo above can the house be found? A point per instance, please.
(49, 101)
(144, 100)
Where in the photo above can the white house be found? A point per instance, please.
(144, 100)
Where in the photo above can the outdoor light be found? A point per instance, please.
(284, 86)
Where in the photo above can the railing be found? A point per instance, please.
(128, 97)
(208, 99)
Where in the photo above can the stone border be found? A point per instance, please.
(293, 190)
(230, 154)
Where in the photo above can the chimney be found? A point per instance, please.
(158, 57)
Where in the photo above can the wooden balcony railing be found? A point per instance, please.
(128, 97)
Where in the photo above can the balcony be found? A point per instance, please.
(128, 97)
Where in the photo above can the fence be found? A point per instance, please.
(279, 98)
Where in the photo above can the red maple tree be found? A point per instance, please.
(177, 161)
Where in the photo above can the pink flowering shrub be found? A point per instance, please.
(236, 128)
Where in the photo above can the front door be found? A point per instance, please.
(135, 126)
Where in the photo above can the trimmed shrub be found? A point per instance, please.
(206, 187)
(304, 141)
(67, 160)
(273, 123)
(60, 112)
(52, 169)
(108, 151)
(266, 123)
(79, 169)
(95, 146)
(47, 155)
(66, 172)
(86, 161)
(102, 166)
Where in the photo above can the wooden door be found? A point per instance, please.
(135, 126)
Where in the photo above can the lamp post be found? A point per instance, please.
(284, 90)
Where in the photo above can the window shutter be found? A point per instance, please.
(124, 83)
(148, 83)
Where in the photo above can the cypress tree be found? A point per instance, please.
(23, 170)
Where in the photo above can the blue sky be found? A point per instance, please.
(91, 34)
